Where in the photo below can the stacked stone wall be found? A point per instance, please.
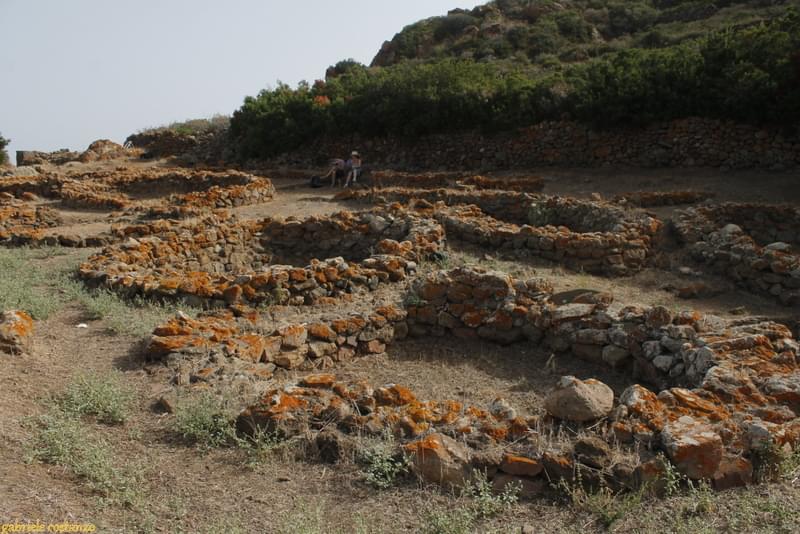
(754, 245)
(218, 262)
(692, 142)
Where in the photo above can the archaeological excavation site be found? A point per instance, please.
(534, 268)
(514, 335)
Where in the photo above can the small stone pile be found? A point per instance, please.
(104, 150)
(754, 245)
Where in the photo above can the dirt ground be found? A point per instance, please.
(189, 489)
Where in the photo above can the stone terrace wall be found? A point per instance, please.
(680, 143)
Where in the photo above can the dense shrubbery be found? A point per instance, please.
(194, 126)
(3, 144)
(749, 75)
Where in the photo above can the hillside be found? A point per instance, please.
(543, 32)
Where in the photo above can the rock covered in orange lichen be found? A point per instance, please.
(16, 331)
(440, 459)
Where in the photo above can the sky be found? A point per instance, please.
(74, 71)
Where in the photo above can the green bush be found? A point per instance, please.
(749, 75)
(3, 154)
(382, 464)
(453, 25)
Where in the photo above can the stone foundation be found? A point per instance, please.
(208, 348)
(725, 390)
(757, 246)
(221, 262)
(22, 224)
(591, 236)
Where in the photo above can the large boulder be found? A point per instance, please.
(440, 459)
(579, 400)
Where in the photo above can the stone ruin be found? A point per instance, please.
(219, 262)
(307, 294)
(590, 236)
(23, 224)
(755, 245)
(27, 203)
(100, 150)
(454, 180)
(722, 391)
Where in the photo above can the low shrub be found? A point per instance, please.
(3, 154)
(382, 464)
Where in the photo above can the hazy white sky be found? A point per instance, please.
(78, 70)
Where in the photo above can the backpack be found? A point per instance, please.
(316, 182)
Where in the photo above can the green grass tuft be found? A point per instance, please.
(64, 441)
(205, 420)
(105, 397)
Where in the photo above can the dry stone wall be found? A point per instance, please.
(583, 235)
(207, 348)
(680, 143)
(137, 193)
(23, 224)
(754, 245)
(509, 206)
(725, 391)
(217, 262)
(455, 180)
